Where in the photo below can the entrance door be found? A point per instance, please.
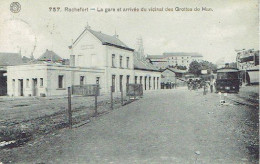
(20, 87)
(34, 87)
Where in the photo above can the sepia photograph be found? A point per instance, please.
(129, 81)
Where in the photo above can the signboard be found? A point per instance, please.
(86, 90)
(134, 90)
(204, 72)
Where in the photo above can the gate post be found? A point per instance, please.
(69, 108)
(111, 97)
(122, 97)
(134, 91)
(96, 93)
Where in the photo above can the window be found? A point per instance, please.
(141, 79)
(41, 82)
(154, 83)
(149, 83)
(27, 83)
(81, 80)
(60, 81)
(127, 62)
(136, 79)
(113, 82)
(121, 58)
(121, 83)
(93, 60)
(113, 60)
(127, 79)
(97, 80)
(157, 82)
(127, 82)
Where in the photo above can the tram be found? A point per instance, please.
(228, 80)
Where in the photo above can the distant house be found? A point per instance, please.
(7, 59)
(172, 59)
(248, 62)
(50, 56)
(171, 78)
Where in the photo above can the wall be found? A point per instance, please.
(25, 72)
(50, 74)
(89, 51)
(117, 70)
(148, 74)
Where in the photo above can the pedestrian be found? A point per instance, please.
(211, 86)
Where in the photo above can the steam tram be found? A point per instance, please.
(228, 80)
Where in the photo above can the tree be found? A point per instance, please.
(180, 67)
(210, 67)
(195, 68)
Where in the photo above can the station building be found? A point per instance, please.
(95, 58)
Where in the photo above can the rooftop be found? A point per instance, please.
(105, 39)
(169, 54)
(9, 59)
(49, 56)
(155, 56)
(177, 70)
(193, 54)
(143, 64)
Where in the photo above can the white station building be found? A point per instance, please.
(96, 58)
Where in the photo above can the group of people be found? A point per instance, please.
(195, 84)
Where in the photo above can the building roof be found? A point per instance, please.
(193, 54)
(143, 64)
(169, 54)
(49, 56)
(106, 39)
(154, 57)
(176, 70)
(26, 59)
(227, 70)
(9, 59)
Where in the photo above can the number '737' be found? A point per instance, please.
(54, 9)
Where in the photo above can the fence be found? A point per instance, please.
(93, 90)
(86, 90)
(134, 90)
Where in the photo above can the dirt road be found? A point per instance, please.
(170, 126)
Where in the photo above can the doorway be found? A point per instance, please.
(20, 91)
(34, 87)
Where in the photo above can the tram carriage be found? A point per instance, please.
(227, 80)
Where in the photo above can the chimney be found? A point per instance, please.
(115, 35)
(88, 27)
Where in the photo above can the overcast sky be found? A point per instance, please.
(214, 34)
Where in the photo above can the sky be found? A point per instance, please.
(216, 34)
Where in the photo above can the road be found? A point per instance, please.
(170, 126)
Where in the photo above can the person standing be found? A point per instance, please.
(211, 86)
